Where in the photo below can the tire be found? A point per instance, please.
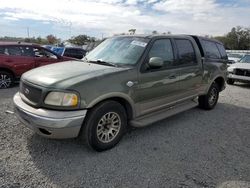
(6, 79)
(99, 134)
(230, 81)
(209, 101)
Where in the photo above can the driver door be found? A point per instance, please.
(157, 88)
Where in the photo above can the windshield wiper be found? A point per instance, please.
(102, 62)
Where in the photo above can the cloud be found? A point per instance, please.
(117, 16)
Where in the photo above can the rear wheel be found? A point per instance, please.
(105, 125)
(6, 79)
(209, 100)
(230, 81)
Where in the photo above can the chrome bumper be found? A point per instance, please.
(237, 77)
(49, 123)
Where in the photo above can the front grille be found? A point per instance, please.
(31, 93)
(242, 72)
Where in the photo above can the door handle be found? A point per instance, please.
(172, 77)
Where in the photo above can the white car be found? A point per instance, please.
(239, 71)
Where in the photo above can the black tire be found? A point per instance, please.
(209, 101)
(93, 123)
(6, 79)
(230, 81)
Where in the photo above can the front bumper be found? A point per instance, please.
(238, 78)
(49, 123)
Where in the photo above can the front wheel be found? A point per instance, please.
(6, 79)
(209, 100)
(105, 125)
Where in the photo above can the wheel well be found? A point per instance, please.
(8, 70)
(124, 103)
(221, 82)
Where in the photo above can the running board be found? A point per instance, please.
(162, 114)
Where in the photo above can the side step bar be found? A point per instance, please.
(162, 114)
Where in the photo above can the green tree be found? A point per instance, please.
(237, 39)
(51, 39)
(81, 40)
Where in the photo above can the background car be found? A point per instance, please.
(74, 52)
(17, 58)
(240, 71)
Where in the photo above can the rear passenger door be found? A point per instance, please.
(189, 68)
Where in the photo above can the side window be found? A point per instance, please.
(222, 51)
(186, 52)
(2, 49)
(27, 51)
(13, 51)
(211, 50)
(162, 48)
(42, 53)
(69, 52)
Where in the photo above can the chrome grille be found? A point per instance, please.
(31, 93)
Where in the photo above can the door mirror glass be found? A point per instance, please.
(155, 62)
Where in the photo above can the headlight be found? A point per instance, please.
(230, 69)
(62, 99)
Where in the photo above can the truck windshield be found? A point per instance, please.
(245, 59)
(119, 50)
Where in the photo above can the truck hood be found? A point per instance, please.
(240, 66)
(65, 74)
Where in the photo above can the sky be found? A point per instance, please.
(104, 18)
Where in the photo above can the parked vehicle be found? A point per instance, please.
(17, 58)
(73, 52)
(134, 80)
(239, 71)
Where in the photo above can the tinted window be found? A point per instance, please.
(13, 50)
(222, 51)
(27, 51)
(211, 50)
(2, 50)
(162, 48)
(186, 52)
(73, 52)
(16, 50)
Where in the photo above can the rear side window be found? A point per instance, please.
(16, 51)
(13, 50)
(186, 52)
(222, 51)
(211, 49)
(2, 50)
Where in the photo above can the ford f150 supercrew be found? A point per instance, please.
(126, 80)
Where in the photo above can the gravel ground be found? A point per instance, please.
(196, 148)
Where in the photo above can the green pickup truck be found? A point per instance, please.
(127, 80)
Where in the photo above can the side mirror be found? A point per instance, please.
(155, 62)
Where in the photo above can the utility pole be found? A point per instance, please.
(28, 32)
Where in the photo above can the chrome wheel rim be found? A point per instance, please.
(108, 127)
(213, 96)
(5, 81)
